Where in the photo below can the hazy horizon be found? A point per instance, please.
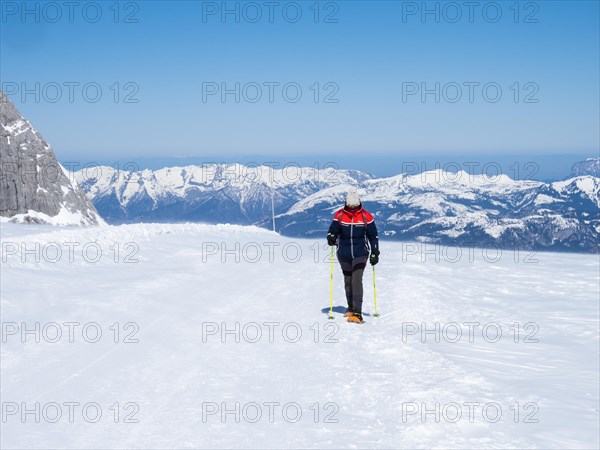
(517, 166)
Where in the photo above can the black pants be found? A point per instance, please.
(354, 287)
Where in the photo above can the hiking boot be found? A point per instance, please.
(356, 318)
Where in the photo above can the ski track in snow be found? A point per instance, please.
(369, 373)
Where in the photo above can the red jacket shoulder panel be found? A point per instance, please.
(368, 216)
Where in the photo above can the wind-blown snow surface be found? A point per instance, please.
(375, 373)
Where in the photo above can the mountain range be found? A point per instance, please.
(447, 208)
(436, 206)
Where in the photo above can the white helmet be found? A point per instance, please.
(352, 199)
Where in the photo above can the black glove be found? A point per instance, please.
(374, 257)
(331, 239)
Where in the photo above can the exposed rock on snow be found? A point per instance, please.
(34, 187)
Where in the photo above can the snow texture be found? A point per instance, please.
(368, 378)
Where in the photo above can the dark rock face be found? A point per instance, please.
(34, 187)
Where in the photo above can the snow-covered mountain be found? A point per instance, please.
(590, 166)
(456, 208)
(436, 206)
(212, 193)
(34, 187)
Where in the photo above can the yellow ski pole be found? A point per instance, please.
(330, 317)
(375, 313)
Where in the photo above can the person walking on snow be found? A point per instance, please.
(354, 232)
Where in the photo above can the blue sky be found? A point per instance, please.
(367, 57)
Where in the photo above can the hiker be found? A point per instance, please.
(354, 232)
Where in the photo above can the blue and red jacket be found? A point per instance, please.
(357, 234)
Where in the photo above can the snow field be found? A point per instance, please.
(178, 345)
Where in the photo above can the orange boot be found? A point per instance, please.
(356, 318)
(348, 313)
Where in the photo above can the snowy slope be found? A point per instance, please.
(368, 379)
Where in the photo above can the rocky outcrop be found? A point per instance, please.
(34, 187)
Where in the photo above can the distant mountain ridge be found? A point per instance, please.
(436, 206)
(590, 166)
(211, 193)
